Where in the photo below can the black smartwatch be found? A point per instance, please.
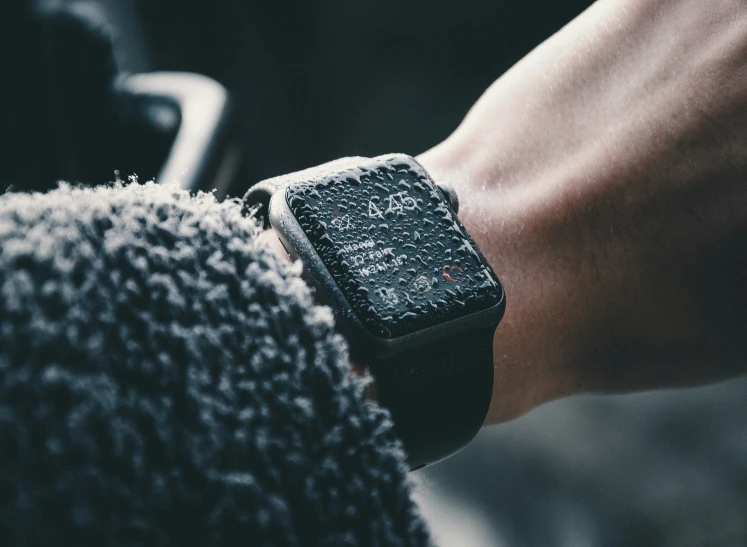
(419, 304)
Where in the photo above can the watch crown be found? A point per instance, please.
(451, 195)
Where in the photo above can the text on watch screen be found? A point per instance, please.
(395, 249)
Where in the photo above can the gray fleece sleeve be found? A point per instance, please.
(166, 380)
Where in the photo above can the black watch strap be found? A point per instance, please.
(438, 396)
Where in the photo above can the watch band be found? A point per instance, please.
(438, 396)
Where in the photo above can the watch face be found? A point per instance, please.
(395, 248)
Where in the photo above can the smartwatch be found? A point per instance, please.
(381, 244)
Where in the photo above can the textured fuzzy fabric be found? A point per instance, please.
(165, 380)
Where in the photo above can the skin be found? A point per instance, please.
(604, 177)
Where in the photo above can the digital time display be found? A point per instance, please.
(394, 247)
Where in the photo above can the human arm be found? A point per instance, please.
(604, 178)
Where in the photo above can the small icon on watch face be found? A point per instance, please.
(389, 296)
(422, 283)
(451, 273)
(342, 223)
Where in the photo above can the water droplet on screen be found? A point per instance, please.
(388, 258)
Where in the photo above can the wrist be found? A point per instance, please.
(542, 343)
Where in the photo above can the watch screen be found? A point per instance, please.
(395, 248)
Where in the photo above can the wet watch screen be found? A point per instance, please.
(395, 248)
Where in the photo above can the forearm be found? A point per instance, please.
(611, 202)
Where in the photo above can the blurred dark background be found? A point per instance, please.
(313, 81)
(309, 81)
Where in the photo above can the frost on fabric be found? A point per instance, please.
(166, 380)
